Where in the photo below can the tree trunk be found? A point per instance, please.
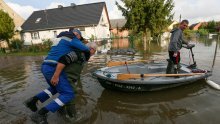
(147, 39)
(145, 42)
(158, 38)
(9, 47)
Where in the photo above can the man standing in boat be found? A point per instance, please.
(175, 45)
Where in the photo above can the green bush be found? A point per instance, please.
(203, 32)
(16, 44)
(47, 43)
(136, 40)
(92, 38)
(189, 33)
(34, 48)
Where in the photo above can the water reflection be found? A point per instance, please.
(148, 107)
(206, 41)
(16, 73)
(120, 43)
(20, 78)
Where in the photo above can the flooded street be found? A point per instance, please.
(197, 103)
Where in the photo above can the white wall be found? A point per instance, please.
(42, 34)
(100, 31)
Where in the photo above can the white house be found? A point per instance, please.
(91, 19)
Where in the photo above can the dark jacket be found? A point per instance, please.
(176, 40)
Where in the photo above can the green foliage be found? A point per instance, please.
(34, 48)
(47, 43)
(114, 36)
(2, 50)
(44, 47)
(136, 41)
(92, 38)
(6, 26)
(210, 26)
(192, 33)
(16, 44)
(147, 15)
(203, 31)
(189, 33)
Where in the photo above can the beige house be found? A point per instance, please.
(18, 20)
(116, 28)
(171, 26)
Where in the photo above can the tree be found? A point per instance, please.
(148, 16)
(6, 26)
(210, 26)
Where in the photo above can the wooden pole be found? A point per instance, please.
(117, 63)
(136, 76)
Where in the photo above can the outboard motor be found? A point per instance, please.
(190, 46)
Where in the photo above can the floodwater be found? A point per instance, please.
(197, 103)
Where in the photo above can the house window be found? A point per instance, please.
(55, 34)
(37, 20)
(35, 35)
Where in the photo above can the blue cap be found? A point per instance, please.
(78, 31)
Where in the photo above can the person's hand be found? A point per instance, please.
(54, 80)
(175, 54)
(92, 51)
(190, 46)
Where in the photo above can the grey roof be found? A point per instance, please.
(65, 17)
(117, 23)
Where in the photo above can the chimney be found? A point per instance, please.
(60, 6)
(72, 4)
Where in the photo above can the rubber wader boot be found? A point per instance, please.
(62, 110)
(71, 115)
(40, 117)
(71, 110)
(31, 103)
(68, 110)
(170, 67)
(175, 69)
(179, 66)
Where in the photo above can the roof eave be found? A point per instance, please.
(43, 29)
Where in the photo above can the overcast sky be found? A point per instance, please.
(193, 10)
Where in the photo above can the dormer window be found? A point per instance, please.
(37, 20)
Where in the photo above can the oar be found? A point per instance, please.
(117, 63)
(135, 76)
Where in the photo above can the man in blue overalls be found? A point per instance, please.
(62, 46)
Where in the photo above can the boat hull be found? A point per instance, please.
(149, 84)
(132, 87)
